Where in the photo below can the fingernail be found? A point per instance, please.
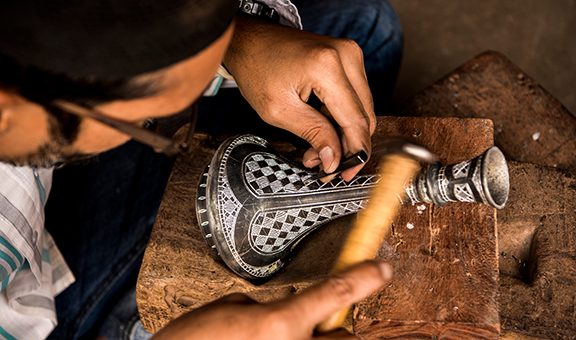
(385, 270)
(327, 157)
(310, 163)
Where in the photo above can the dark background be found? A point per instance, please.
(539, 36)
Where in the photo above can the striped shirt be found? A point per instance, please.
(32, 270)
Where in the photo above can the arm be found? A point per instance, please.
(237, 317)
(278, 68)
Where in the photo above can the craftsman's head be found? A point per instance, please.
(130, 59)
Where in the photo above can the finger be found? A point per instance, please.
(328, 178)
(319, 302)
(346, 109)
(353, 63)
(349, 174)
(336, 92)
(313, 127)
(311, 158)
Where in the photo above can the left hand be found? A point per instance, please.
(238, 317)
(278, 68)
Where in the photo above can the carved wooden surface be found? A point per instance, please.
(446, 266)
(537, 229)
(530, 125)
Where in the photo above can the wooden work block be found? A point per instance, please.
(444, 258)
(530, 125)
(537, 229)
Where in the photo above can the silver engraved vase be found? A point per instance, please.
(253, 205)
(483, 179)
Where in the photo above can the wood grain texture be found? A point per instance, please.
(374, 223)
(446, 273)
(537, 228)
(530, 124)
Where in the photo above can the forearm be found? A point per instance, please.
(252, 38)
(285, 14)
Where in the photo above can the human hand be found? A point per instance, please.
(238, 317)
(277, 70)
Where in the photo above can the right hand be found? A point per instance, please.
(238, 317)
(278, 69)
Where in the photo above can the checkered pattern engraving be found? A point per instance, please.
(268, 174)
(271, 178)
(228, 208)
(273, 231)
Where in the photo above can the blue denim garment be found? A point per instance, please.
(100, 214)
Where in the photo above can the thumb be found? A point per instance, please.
(339, 291)
(312, 126)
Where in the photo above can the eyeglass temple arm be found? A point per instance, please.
(158, 142)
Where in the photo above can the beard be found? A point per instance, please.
(62, 130)
(47, 156)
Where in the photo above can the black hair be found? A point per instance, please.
(89, 52)
(110, 38)
(43, 87)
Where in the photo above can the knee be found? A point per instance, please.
(373, 24)
(379, 33)
(381, 25)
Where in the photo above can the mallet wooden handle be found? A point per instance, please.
(374, 222)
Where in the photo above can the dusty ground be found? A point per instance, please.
(537, 240)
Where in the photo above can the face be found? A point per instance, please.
(25, 137)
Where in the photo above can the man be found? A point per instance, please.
(135, 61)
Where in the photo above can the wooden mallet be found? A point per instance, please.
(398, 165)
